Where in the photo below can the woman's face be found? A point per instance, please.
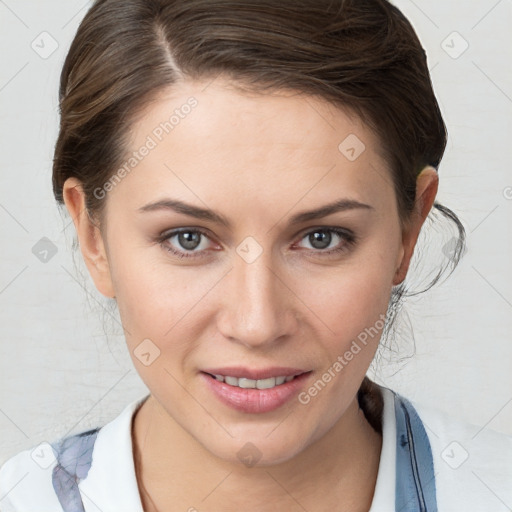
(289, 249)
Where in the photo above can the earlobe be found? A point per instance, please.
(89, 237)
(426, 189)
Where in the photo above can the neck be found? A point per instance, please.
(175, 472)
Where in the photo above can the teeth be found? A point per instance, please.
(246, 383)
(268, 383)
(242, 382)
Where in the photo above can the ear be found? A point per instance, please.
(426, 190)
(89, 237)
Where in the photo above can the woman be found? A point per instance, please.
(248, 180)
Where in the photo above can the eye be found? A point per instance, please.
(193, 242)
(184, 243)
(321, 239)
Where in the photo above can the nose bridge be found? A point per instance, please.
(257, 308)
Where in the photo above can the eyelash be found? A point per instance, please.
(349, 239)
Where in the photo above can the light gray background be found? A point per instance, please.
(59, 372)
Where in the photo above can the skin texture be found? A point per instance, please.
(257, 160)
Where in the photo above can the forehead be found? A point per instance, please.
(211, 138)
(278, 118)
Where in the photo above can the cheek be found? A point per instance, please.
(354, 305)
(158, 300)
(352, 300)
(157, 312)
(357, 290)
(142, 296)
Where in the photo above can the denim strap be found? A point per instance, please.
(415, 489)
(74, 458)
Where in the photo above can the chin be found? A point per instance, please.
(251, 449)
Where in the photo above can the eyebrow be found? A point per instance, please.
(206, 214)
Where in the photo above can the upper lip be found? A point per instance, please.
(256, 374)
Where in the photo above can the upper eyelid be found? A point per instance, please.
(334, 229)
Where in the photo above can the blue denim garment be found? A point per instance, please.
(415, 489)
(74, 457)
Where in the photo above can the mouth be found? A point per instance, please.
(255, 391)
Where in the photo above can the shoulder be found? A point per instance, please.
(472, 464)
(52, 475)
(28, 479)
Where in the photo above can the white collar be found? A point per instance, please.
(112, 461)
(384, 495)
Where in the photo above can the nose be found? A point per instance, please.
(257, 304)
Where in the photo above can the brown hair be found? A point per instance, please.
(360, 55)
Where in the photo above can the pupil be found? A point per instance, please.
(321, 237)
(189, 239)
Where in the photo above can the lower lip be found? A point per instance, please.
(255, 401)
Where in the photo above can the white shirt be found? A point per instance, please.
(473, 468)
